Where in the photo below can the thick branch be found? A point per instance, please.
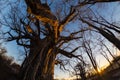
(41, 12)
(105, 0)
(110, 26)
(97, 1)
(68, 18)
(69, 54)
(69, 38)
(107, 35)
(17, 37)
(22, 44)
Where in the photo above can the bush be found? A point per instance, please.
(8, 69)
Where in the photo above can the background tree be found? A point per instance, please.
(105, 54)
(105, 29)
(8, 68)
(80, 71)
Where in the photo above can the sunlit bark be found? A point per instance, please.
(40, 62)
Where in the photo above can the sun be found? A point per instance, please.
(99, 70)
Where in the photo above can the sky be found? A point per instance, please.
(111, 12)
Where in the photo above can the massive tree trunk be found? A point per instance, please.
(39, 65)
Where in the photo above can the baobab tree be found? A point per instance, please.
(39, 30)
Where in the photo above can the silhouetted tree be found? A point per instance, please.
(8, 69)
(80, 71)
(105, 29)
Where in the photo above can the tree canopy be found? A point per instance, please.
(49, 29)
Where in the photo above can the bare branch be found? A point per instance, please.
(69, 54)
(107, 35)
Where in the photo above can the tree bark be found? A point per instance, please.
(39, 65)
